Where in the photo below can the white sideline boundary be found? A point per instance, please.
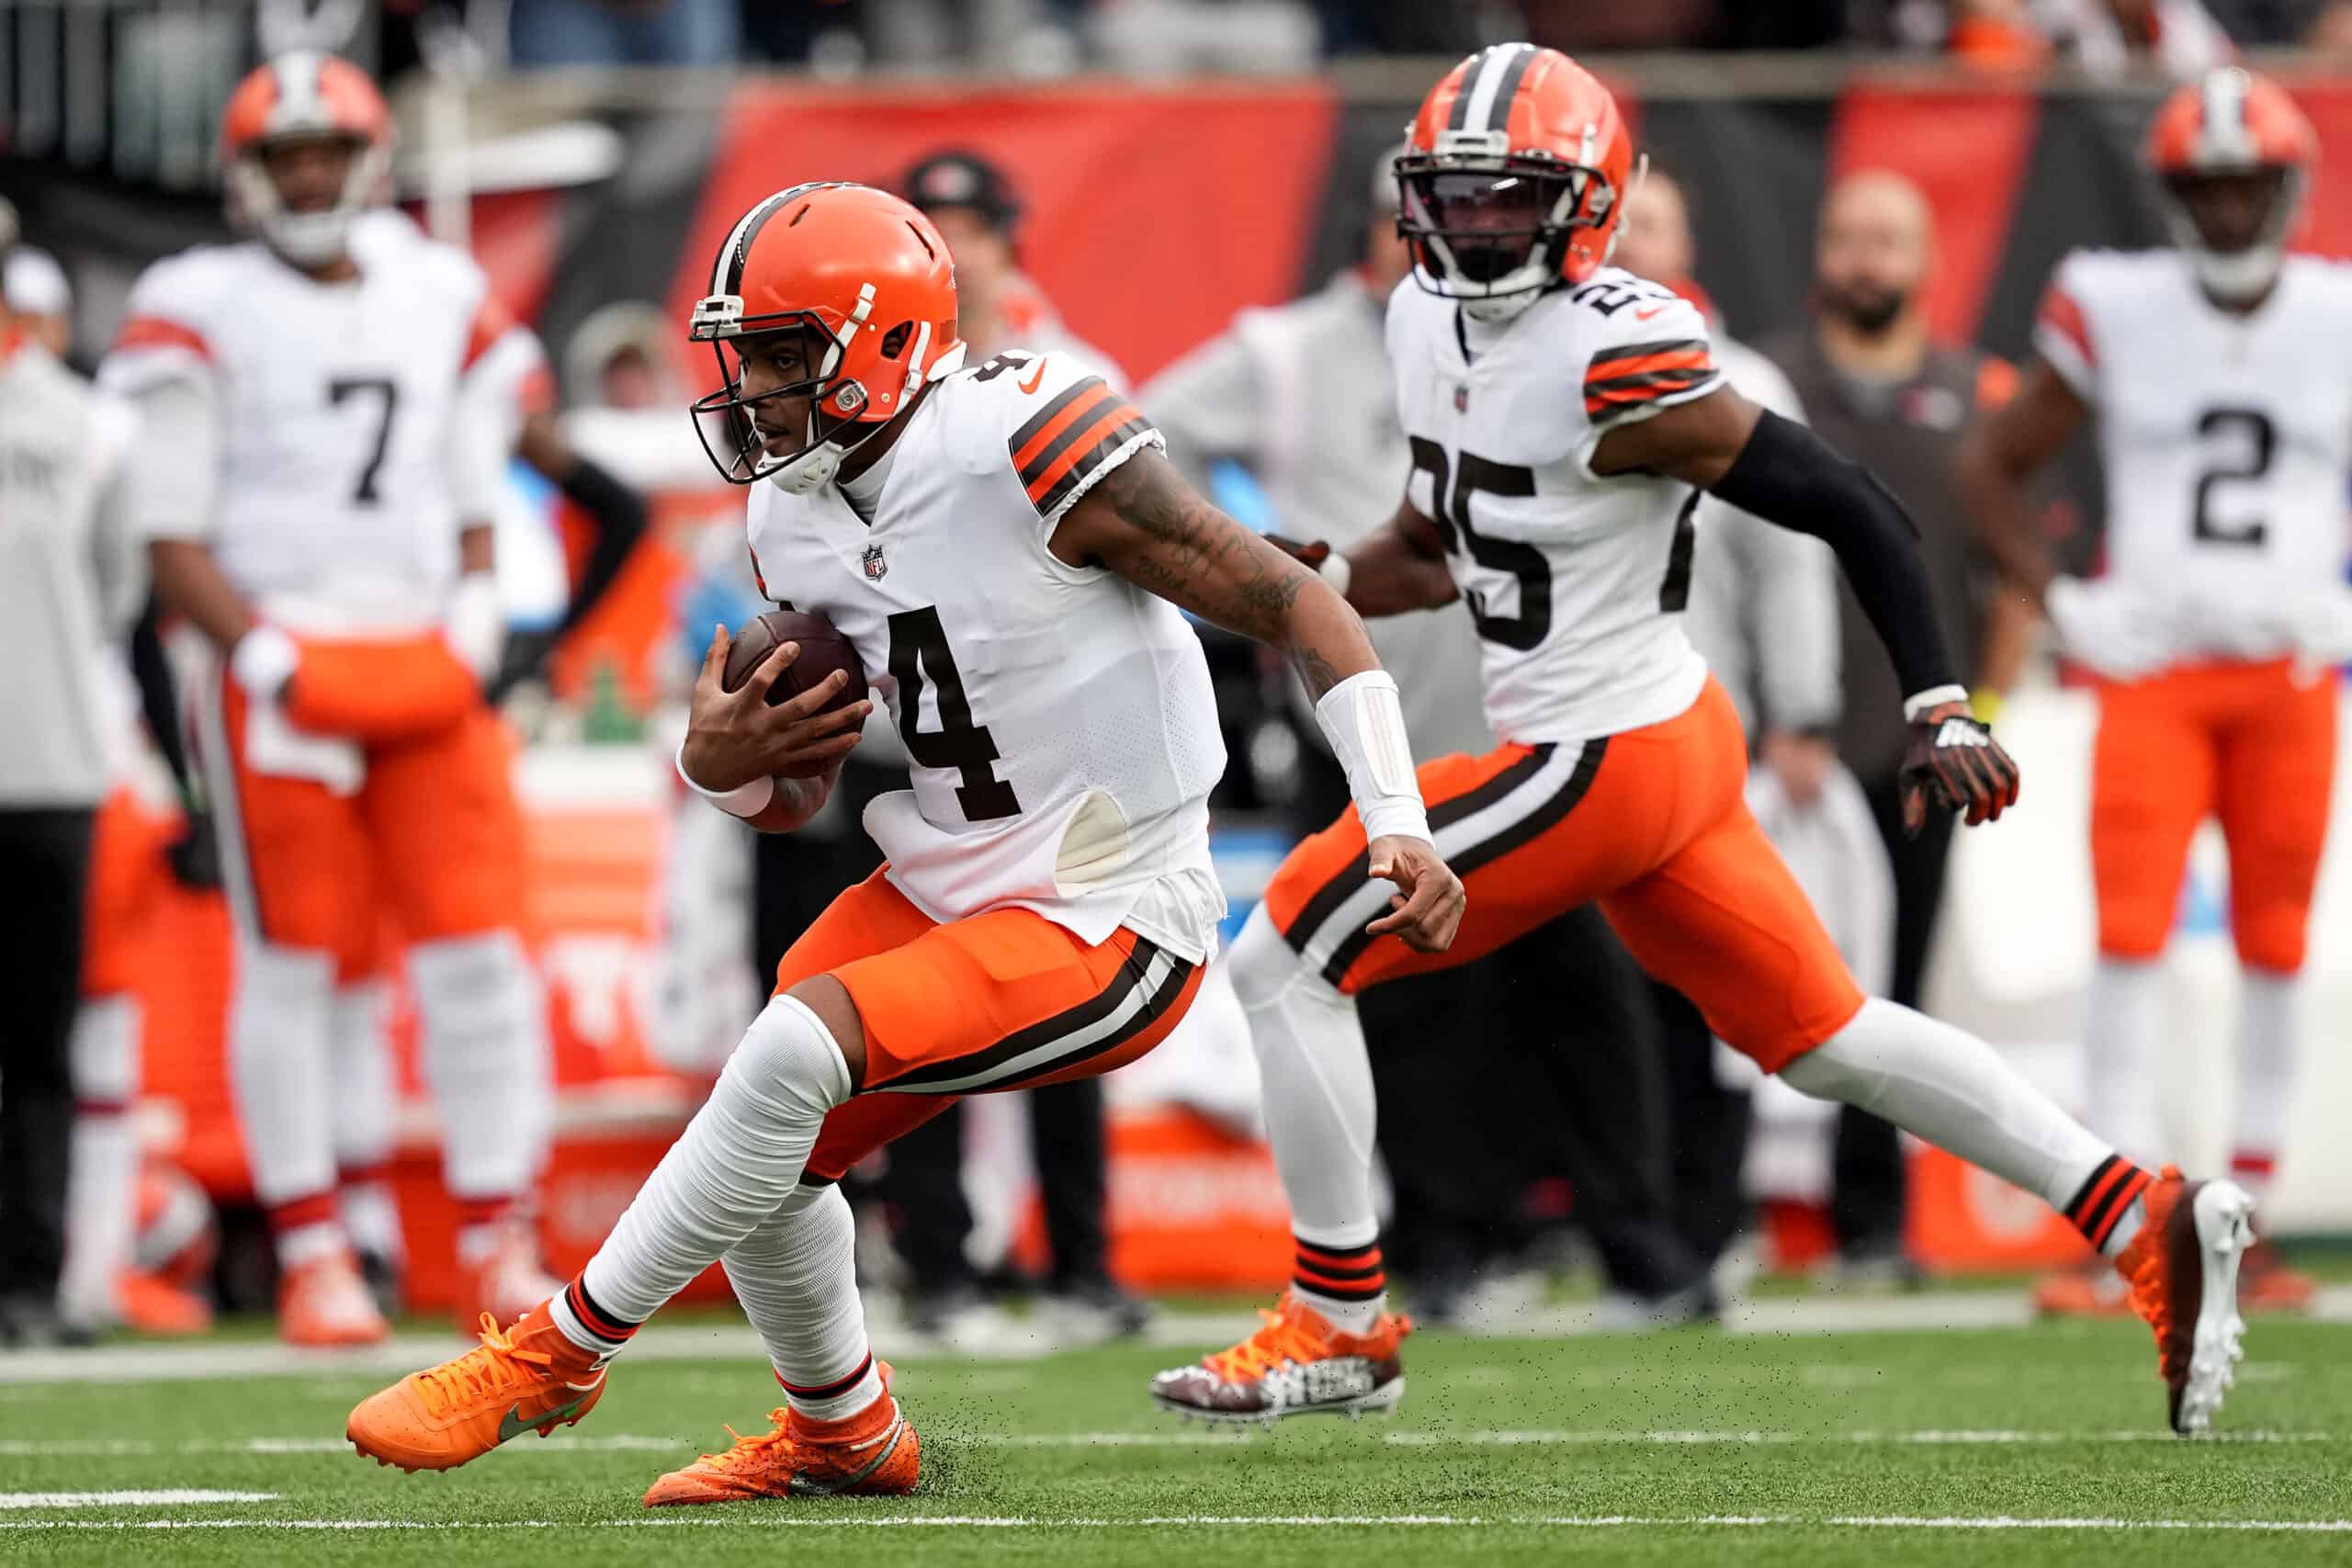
(1240, 1522)
(1019, 1340)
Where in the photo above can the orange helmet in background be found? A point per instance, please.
(1512, 179)
(2231, 124)
(304, 96)
(869, 279)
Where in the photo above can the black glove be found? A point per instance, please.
(1955, 764)
(195, 855)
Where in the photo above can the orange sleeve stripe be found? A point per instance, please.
(492, 321)
(2062, 315)
(1678, 359)
(1080, 408)
(156, 332)
(1081, 448)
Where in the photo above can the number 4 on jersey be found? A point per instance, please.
(918, 644)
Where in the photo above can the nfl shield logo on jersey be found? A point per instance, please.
(875, 567)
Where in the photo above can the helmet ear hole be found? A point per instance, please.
(894, 342)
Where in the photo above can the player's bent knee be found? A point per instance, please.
(1261, 962)
(828, 1001)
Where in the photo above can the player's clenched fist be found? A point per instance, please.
(1426, 908)
(1955, 764)
(735, 736)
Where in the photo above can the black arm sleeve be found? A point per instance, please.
(620, 515)
(1789, 476)
(158, 697)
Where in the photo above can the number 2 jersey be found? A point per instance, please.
(1577, 583)
(2226, 441)
(350, 430)
(1059, 719)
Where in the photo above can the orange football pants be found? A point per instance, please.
(1653, 824)
(434, 831)
(1002, 1000)
(2252, 744)
(126, 867)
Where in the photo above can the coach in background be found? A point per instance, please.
(1301, 396)
(1880, 390)
(69, 582)
(1763, 611)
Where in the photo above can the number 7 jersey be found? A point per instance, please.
(1059, 719)
(1577, 583)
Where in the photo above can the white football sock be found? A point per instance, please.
(102, 1186)
(366, 1095)
(733, 1166)
(278, 1057)
(1321, 1115)
(2269, 1037)
(2122, 1037)
(1954, 1090)
(796, 1275)
(484, 1047)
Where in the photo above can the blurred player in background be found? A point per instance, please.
(70, 584)
(1569, 423)
(41, 298)
(1301, 395)
(1007, 542)
(978, 213)
(2218, 372)
(327, 426)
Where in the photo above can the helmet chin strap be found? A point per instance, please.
(1495, 308)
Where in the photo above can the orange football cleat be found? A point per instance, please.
(509, 1282)
(326, 1302)
(528, 1378)
(153, 1304)
(2267, 1284)
(2093, 1290)
(872, 1454)
(2183, 1271)
(1296, 1364)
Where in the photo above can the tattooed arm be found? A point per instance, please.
(1146, 523)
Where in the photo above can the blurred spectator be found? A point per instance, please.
(1763, 611)
(2331, 33)
(2110, 38)
(625, 398)
(973, 205)
(1159, 38)
(625, 32)
(1882, 392)
(1302, 397)
(1995, 35)
(71, 586)
(38, 297)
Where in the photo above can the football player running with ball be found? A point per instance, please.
(1006, 546)
(1567, 423)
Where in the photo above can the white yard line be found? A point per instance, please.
(174, 1497)
(1244, 1521)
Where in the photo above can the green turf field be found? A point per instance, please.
(1688, 1449)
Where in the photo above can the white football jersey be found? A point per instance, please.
(1577, 583)
(1059, 719)
(355, 423)
(2227, 440)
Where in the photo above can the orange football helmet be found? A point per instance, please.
(1513, 178)
(296, 96)
(868, 280)
(2232, 128)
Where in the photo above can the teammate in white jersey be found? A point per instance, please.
(1569, 423)
(326, 407)
(2217, 368)
(1007, 549)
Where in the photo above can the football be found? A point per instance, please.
(823, 649)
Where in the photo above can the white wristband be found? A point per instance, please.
(263, 661)
(1336, 571)
(1366, 728)
(745, 800)
(475, 625)
(1932, 698)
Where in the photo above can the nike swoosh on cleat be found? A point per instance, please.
(512, 1424)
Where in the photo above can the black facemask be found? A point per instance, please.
(1866, 308)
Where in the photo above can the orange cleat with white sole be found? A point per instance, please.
(2183, 1271)
(1296, 1364)
(326, 1302)
(872, 1454)
(509, 1282)
(527, 1378)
